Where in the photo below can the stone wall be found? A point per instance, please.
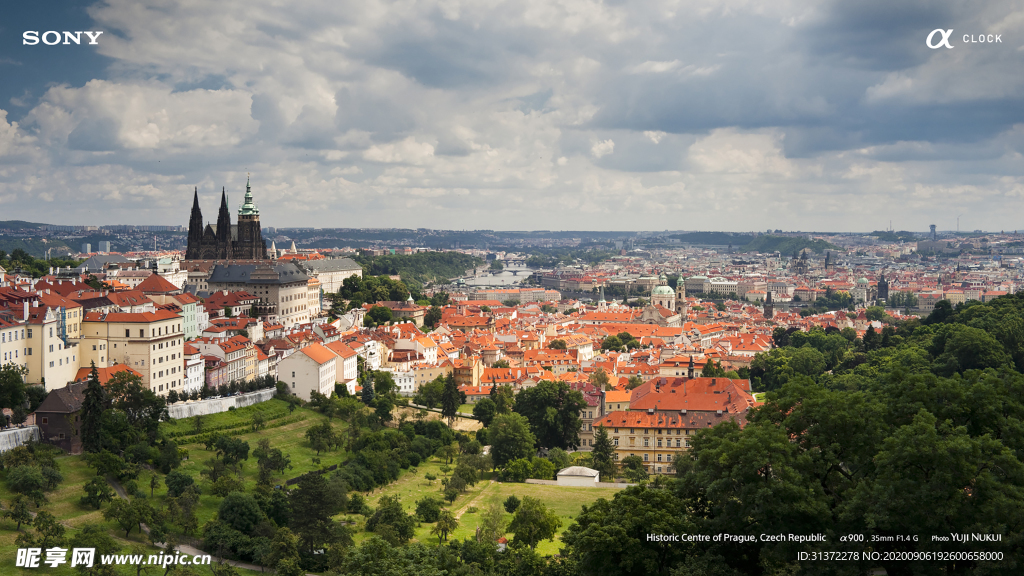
(214, 406)
(10, 439)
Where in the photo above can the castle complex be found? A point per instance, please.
(242, 241)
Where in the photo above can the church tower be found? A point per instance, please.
(224, 227)
(769, 306)
(243, 241)
(195, 230)
(249, 242)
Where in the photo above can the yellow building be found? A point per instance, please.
(149, 342)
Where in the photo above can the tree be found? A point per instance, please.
(600, 379)
(322, 437)
(501, 364)
(428, 509)
(26, 479)
(97, 491)
(258, 421)
(284, 551)
(429, 394)
(557, 344)
(633, 468)
(626, 521)
(511, 504)
(380, 315)
(13, 391)
(95, 537)
(603, 454)
(241, 512)
(553, 410)
(446, 524)
(492, 524)
(18, 511)
(313, 502)
(450, 399)
(231, 450)
(504, 399)
(634, 382)
(177, 482)
(484, 410)
(129, 514)
(560, 458)
(390, 513)
(510, 438)
(93, 404)
(368, 392)
(533, 522)
(433, 317)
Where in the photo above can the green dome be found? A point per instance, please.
(863, 281)
(663, 291)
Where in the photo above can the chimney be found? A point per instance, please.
(26, 310)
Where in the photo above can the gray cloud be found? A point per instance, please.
(556, 115)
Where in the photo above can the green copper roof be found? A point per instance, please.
(248, 207)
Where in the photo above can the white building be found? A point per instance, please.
(578, 476)
(195, 374)
(309, 369)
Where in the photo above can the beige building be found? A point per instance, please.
(151, 343)
(48, 357)
(283, 289)
(313, 368)
(237, 352)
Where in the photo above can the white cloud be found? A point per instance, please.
(602, 148)
(433, 113)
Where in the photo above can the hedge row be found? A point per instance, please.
(202, 438)
(269, 416)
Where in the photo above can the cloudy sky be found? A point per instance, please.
(531, 114)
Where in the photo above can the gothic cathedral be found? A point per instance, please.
(243, 241)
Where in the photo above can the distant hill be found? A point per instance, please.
(787, 245)
(716, 238)
(18, 224)
(34, 246)
(751, 243)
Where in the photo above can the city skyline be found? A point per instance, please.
(568, 116)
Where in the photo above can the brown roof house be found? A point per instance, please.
(59, 417)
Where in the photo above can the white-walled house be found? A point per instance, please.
(313, 368)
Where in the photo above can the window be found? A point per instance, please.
(646, 442)
(51, 364)
(93, 346)
(51, 347)
(659, 458)
(29, 332)
(687, 442)
(61, 435)
(677, 442)
(51, 332)
(142, 333)
(46, 420)
(645, 457)
(615, 442)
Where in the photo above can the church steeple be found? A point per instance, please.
(195, 228)
(224, 226)
(248, 206)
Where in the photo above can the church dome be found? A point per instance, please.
(663, 291)
(863, 281)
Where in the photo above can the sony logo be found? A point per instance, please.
(52, 37)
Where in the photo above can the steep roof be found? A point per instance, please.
(156, 284)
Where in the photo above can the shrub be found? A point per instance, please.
(511, 504)
(428, 509)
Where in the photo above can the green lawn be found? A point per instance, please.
(466, 408)
(411, 487)
(64, 501)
